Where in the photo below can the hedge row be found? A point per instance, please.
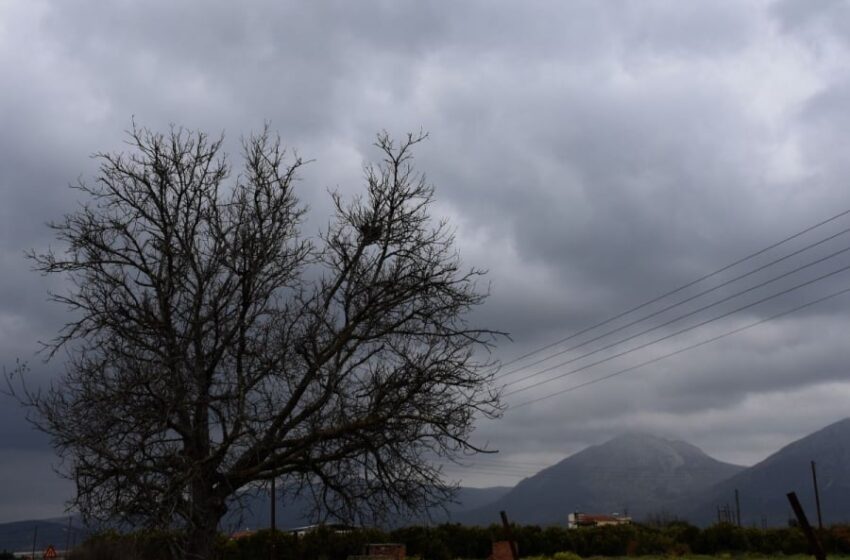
(446, 542)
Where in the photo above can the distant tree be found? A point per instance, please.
(212, 346)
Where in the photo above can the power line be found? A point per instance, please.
(680, 288)
(686, 315)
(467, 473)
(474, 468)
(477, 460)
(680, 331)
(677, 304)
(548, 472)
(681, 350)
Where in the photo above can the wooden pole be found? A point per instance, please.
(273, 508)
(68, 538)
(817, 495)
(509, 533)
(273, 521)
(34, 535)
(737, 509)
(814, 543)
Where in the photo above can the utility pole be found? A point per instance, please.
(68, 538)
(727, 514)
(34, 536)
(737, 508)
(817, 495)
(273, 508)
(273, 520)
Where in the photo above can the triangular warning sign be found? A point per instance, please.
(49, 553)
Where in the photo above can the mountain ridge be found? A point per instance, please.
(762, 488)
(635, 473)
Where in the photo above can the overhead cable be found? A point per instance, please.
(680, 351)
(694, 312)
(679, 303)
(680, 288)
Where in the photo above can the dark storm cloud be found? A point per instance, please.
(591, 155)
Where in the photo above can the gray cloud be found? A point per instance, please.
(591, 155)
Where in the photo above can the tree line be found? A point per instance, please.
(448, 541)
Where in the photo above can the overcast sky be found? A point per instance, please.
(592, 156)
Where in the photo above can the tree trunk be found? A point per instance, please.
(208, 509)
(200, 543)
(201, 539)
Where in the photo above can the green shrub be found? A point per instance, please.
(452, 541)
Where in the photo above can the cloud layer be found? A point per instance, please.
(591, 155)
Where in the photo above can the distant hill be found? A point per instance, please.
(297, 513)
(762, 487)
(473, 498)
(18, 536)
(637, 474)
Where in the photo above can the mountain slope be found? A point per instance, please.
(636, 474)
(17, 536)
(472, 498)
(297, 512)
(762, 487)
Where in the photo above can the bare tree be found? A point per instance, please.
(212, 346)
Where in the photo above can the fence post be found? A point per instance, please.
(509, 534)
(814, 543)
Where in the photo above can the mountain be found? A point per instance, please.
(18, 536)
(473, 498)
(762, 488)
(296, 513)
(635, 474)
